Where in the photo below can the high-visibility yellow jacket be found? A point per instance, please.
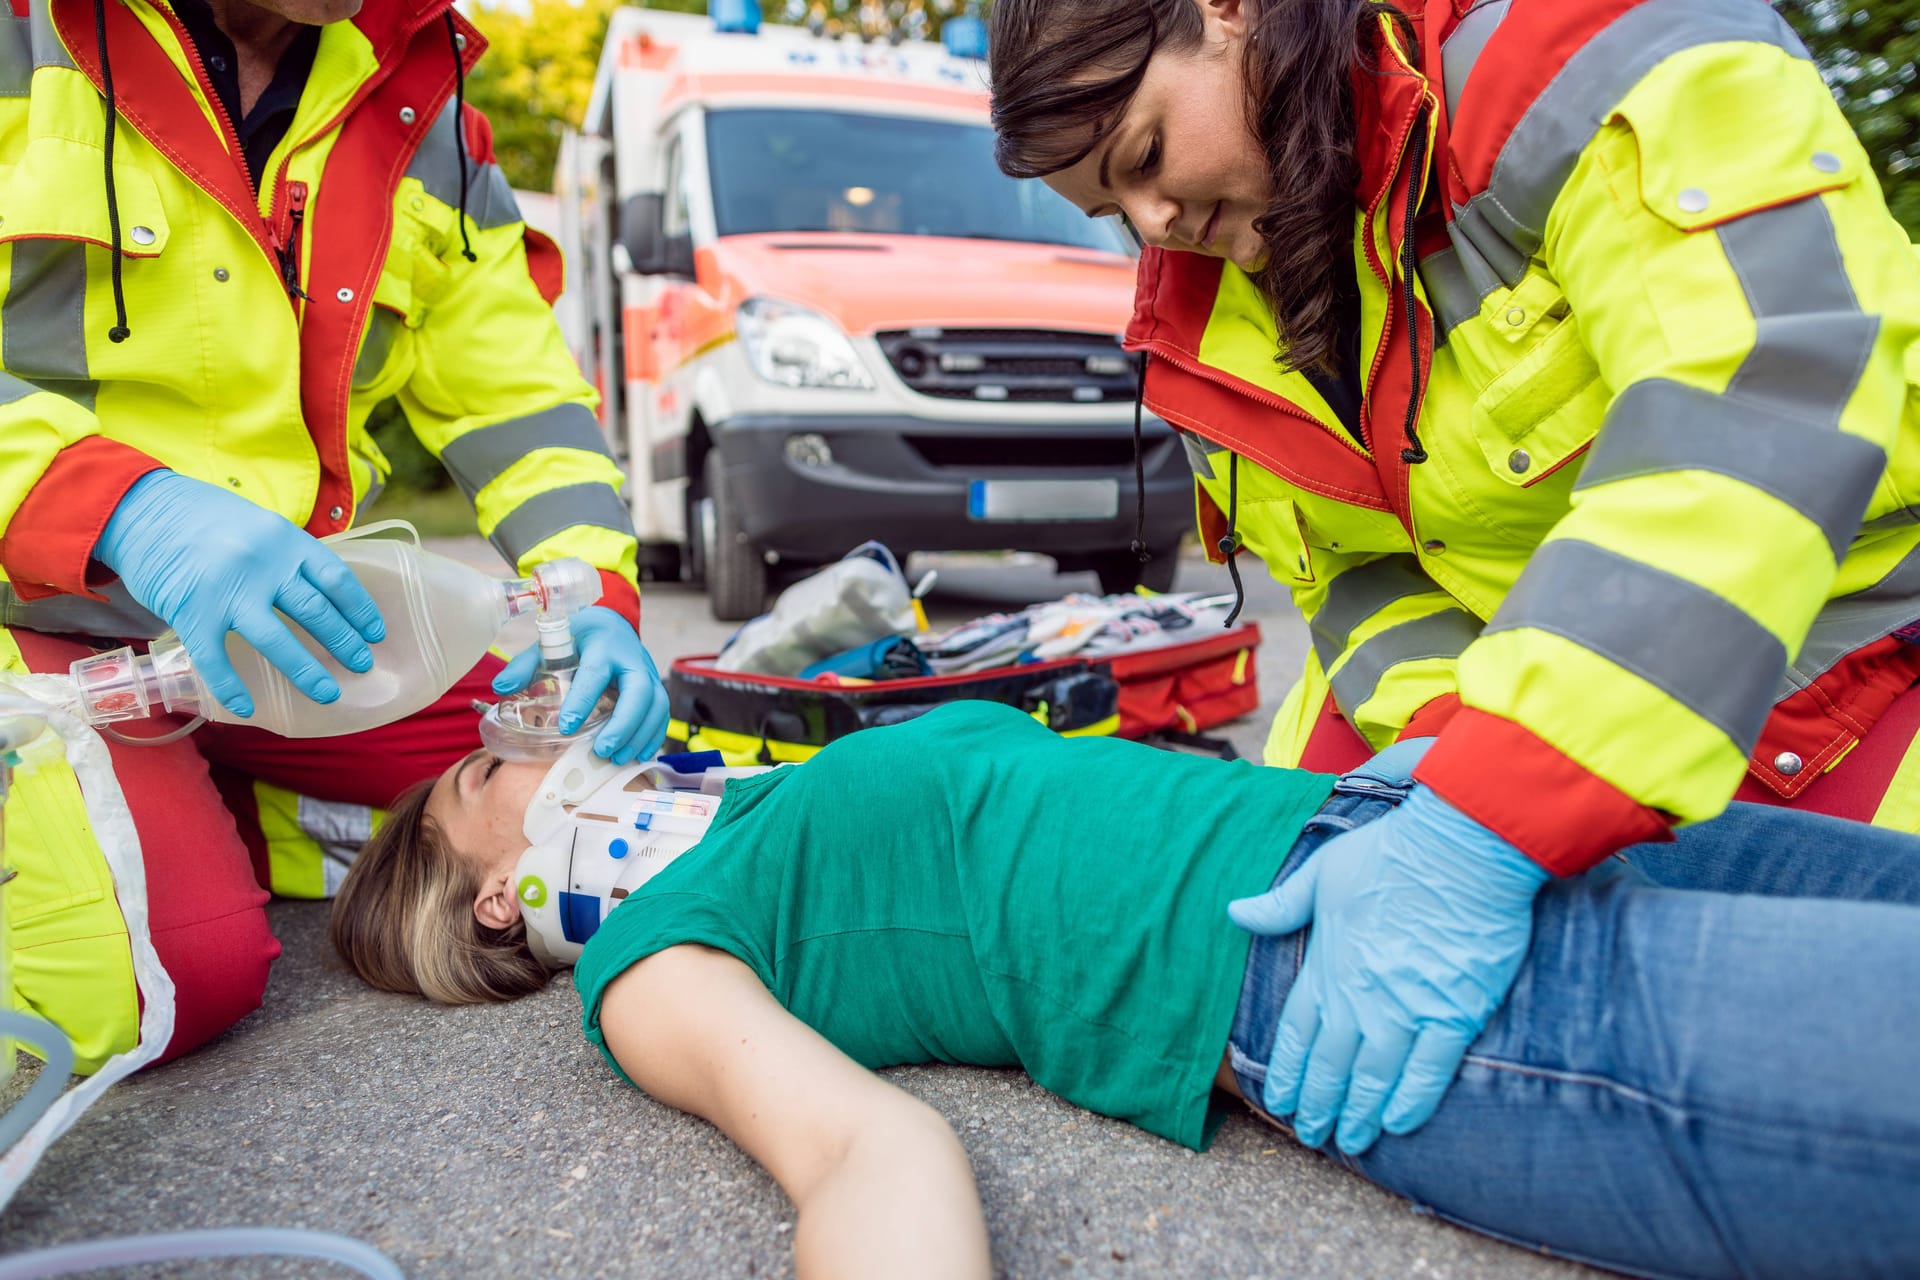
(1658, 529)
(264, 328)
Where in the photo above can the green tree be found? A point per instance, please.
(1867, 50)
(536, 78)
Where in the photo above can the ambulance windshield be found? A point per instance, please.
(805, 170)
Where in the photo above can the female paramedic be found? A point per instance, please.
(233, 230)
(1661, 1092)
(1560, 356)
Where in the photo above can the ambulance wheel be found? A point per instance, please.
(734, 569)
(1121, 571)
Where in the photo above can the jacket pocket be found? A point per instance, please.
(39, 200)
(1545, 408)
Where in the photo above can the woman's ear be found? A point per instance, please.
(1228, 17)
(497, 906)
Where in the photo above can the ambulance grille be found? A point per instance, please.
(1025, 366)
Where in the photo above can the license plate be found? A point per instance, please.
(1043, 499)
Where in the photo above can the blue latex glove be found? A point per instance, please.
(1421, 919)
(1396, 763)
(208, 562)
(610, 652)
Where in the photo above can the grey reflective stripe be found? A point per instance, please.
(1360, 593)
(1462, 48)
(545, 514)
(436, 164)
(383, 327)
(1438, 635)
(16, 56)
(1504, 225)
(481, 456)
(1813, 341)
(1198, 459)
(1853, 621)
(47, 49)
(116, 616)
(1658, 426)
(1453, 296)
(1697, 647)
(42, 321)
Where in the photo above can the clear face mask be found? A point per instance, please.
(597, 831)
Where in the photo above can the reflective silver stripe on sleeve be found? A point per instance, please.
(47, 49)
(43, 337)
(1198, 459)
(1777, 426)
(1451, 293)
(1462, 48)
(482, 455)
(1851, 622)
(1504, 225)
(1438, 635)
(16, 55)
(1659, 426)
(545, 514)
(1813, 341)
(1697, 647)
(436, 164)
(383, 329)
(118, 615)
(1359, 594)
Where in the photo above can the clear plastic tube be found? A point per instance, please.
(227, 1242)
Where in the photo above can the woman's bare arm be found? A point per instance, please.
(882, 1185)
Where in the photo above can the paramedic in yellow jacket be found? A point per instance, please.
(229, 230)
(1559, 355)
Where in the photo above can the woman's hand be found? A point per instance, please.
(610, 653)
(1421, 920)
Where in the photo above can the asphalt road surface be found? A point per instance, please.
(492, 1142)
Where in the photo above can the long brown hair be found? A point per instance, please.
(403, 919)
(1064, 71)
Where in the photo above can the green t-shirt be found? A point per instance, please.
(970, 887)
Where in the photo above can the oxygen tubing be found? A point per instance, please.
(227, 1242)
(56, 1051)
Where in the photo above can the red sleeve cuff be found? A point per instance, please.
(49, 542)
(1533, 796)
(621, 596)
(1429, 720)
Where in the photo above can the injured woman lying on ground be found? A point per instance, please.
(1701, 1070)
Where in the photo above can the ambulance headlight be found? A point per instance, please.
(795, 347)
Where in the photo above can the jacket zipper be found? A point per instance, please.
(286, 246)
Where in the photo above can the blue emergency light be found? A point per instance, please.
(965, 36)
(742, 16)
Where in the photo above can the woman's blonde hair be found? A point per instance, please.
(403, 919)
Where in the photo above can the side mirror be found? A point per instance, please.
(642, 234)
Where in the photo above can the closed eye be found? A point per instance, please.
(492, 764)
(1151, 160)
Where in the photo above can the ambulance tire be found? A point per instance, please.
(735, 571)
(1121, 571)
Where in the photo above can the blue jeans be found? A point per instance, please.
(1709, 1064)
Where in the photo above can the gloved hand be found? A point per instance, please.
(209, 562)
(1421, 920)
(1397, 762)
(610, 651)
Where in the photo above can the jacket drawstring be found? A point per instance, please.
(1229, 546)
(120, 331)
(1415, 452)
(459, 129)
(1139, 547)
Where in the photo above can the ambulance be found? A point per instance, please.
(818, 314)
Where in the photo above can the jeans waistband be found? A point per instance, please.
(1272, 963)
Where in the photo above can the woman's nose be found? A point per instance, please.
(1154, 218)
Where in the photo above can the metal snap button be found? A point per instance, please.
(1433, 546)
(459, 41)
(1788, 763)
(142, 235)
(1693, 200)
(336, 513)
(345, 295)
(407, 115)
(1516, 317)
(222, 274)
(1518, 461)
(1826, 162)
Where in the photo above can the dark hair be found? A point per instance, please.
(403, 919)
(1064, 71)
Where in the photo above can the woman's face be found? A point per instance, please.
(1181, 163)
(480, 806)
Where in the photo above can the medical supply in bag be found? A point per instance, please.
(860, 598)
(597, 831)
(440, 614)
(48, 1108)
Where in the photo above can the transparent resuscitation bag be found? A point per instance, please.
(440, 615)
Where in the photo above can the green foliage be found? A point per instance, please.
(1868, 50)
(535, 79)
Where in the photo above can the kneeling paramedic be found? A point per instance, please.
(228, 232)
